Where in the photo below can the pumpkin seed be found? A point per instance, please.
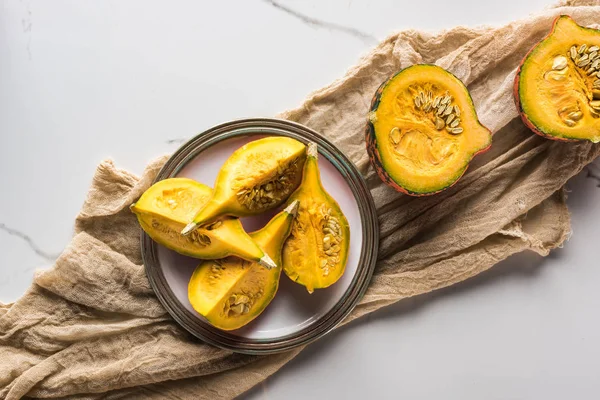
(441, 109)
(436, 101)
(456, 110)
(583, 63)
(214, 225)
(448, 110)
(575, 116)
(395, 135)
(449, 119)
(582, 48)
(593, 55)
(439, 123)
(583, 57)
(242, 299)
(456, 131)
(237, 309)
(593, 49)
(455, 123)
(569, 122)
(573, 52)
(560, 62)
(418, 102)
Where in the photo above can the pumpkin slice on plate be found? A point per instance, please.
(231, 292)
(557, 87)
(316, 252)
(257, 177)
(165, 208)
(423, 130)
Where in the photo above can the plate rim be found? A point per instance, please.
(367, 259)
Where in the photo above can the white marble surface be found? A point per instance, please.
(81, 81)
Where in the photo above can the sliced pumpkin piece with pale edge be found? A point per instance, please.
(165, 208)
(257, 177)
(316, 252)
(231, 292)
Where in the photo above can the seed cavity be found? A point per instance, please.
(268, 194)
(586, 60)
(332, 237)
(239, 304)
(444, 113)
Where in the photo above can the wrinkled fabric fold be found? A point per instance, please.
(90, 327)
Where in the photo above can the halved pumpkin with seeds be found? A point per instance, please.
(557, 86)
(423, 130)
(231, 292)
(165, 208)
(257, 177)
(316, 252)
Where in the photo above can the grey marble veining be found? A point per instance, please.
(176, 141)
(30, 242)
(315, 22)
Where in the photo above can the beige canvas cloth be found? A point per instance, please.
(91, 327)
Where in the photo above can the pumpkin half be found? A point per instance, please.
(423, 130)
(557, 86)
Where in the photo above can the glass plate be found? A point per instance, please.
(294, 317)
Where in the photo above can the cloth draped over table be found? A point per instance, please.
(90, 327)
